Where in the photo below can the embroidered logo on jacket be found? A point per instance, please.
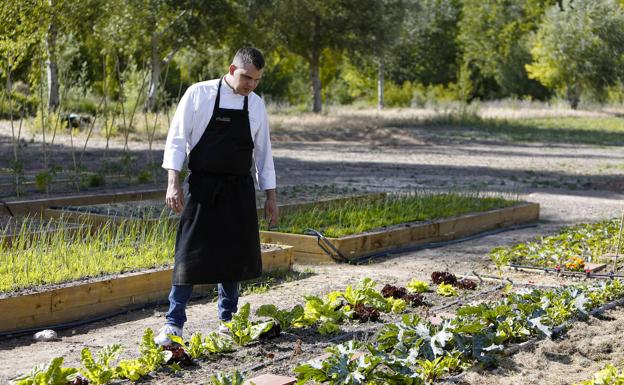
(223, 119)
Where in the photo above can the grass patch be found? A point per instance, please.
(341, 219)
(603, 131)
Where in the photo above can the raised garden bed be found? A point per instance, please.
(291, 199)
(88, 298)
(32, 206)
(584, 248)
(28, 228)
(354, 230)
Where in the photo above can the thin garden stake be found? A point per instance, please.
(617, 249)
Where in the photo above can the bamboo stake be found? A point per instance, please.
(617, 249)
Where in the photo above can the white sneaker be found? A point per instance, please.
(163, 335)
(223, 330)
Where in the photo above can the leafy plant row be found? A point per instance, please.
(570, 249)
(325, 313)
(414, 351)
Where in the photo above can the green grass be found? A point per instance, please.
(602, 131)
(338, 220)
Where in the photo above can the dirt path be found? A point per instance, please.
(572, 183)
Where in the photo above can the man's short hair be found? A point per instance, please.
(249, 55)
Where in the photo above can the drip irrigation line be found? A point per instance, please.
(587, 274)
(335, 254)
(556, 331)
(63, 326)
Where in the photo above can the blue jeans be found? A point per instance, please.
(180, 295)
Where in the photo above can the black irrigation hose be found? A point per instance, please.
(337, 256)
(63, 326)
(7, 207)
(588, 274)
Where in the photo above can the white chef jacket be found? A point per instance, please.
(193, 114)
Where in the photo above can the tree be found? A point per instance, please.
(427, 51)
(308, 28)
(493, 35)
(579, 47)
(158, 29)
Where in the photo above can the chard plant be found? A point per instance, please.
(99, 371)
(608, 375)
(243, 330)
(50, 374)
(235, 378)
(284, 318)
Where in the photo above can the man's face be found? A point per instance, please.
(245, 79)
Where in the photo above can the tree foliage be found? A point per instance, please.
(579, 47)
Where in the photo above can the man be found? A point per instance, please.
(222, 126)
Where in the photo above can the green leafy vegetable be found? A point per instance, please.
(447, 290)
(244, 331)
(51, 374)
(417, 286)
(99, 371)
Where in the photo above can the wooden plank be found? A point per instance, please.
(37, 205)
(594, 267)
(270, 379)
(303, 258)
(298, 241)
(86, 300)
(355, 245)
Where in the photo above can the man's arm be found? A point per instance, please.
(175, 196)
(271, 211)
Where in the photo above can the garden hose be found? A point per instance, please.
(587, 274)
(7, 207)
(329, 247)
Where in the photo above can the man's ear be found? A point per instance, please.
(232, 69)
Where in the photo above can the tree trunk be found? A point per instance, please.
(573, 96)
(155, 67)
(316, 83)
(380, 85)
(51, 65)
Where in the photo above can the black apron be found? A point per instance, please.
(218, 238)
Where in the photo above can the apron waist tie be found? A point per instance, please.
(221, 181)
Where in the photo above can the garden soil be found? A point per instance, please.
(572, 183)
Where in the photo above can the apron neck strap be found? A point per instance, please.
(218, 100)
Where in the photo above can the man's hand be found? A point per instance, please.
(271, 212)
(175, 197)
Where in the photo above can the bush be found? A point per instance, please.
(398, 96)
(21, 102)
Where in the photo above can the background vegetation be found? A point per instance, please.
(89, 54)
(123, 65)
